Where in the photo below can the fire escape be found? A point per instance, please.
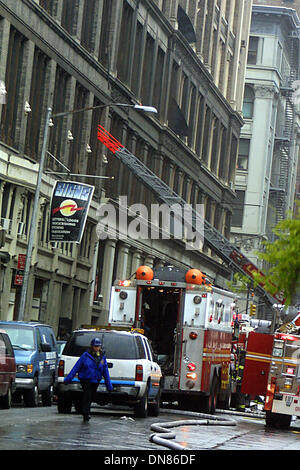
(284, 138)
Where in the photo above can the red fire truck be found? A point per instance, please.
(270, 368)
(283, 387)
(189, 323)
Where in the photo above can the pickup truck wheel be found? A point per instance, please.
(64, 404)
(78, 405)
(141, 408)
(154, 408)
(31, 397)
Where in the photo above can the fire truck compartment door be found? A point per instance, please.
(122, 306)
(257, 363)
(194, 308)
(191, 353)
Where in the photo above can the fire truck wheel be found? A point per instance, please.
(225, 403)
(214, 395)
(278, 420)
(210, 401)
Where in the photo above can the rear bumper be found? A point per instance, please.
(123, 391)
(286, 404)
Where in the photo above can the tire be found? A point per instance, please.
(154, 408)
(234, 400)
(64, 404)
(141, 408)
(211, 400)
(226, 402)
(78, 405)
(5, 402)
(278, 420)
(31, 397)
(47, 396)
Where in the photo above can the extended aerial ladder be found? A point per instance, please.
(219, 244)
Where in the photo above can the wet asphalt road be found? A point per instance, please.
(110, 429)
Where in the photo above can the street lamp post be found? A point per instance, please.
(33, 219)
(32, 230)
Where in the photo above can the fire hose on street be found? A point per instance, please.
(166, 435)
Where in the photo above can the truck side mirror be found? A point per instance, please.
(45, 347)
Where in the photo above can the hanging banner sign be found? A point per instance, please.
(70, 204)
(21, 262)
(18, 278)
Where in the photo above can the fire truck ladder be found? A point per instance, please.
(214, 239)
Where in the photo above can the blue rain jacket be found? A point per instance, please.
(88, 369)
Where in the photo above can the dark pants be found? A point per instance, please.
(89, 393)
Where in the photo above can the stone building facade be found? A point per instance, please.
(266, 177)
(186, 59)
(295, 5)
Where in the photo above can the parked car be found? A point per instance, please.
(135, 376)
(7, 370)
(35, 351)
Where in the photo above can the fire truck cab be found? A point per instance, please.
(189, 324)
(271, 369)
(283, 397)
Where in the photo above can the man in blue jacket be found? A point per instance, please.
(91, 367)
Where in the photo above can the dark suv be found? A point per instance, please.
(135, 376)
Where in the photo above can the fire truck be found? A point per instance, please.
(268, 365)
(209, 350)
(189, 323)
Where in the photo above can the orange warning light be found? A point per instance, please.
(194, 276)
(144, 273)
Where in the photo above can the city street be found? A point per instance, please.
(115, 429)
(149, 228)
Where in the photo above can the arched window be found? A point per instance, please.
(248, 103)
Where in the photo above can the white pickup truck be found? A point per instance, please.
(135, 376)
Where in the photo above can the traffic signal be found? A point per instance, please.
(252, 310)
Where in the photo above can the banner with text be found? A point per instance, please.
(70, 204)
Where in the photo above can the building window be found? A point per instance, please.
(248, 103)
(78, 129)
(158, 79)
(5, 201)
(48, 5)
(94, 165)
(69, 16)
(238, 209)
(223, 153)
(136, 69)
(88, 30)
(37, 96)
(14, 77)
(104, 50)
(252, 50)
(57, 137)
(243, 156)
(124, 46)
(147, 70)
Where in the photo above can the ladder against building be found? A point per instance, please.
(219, 244)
